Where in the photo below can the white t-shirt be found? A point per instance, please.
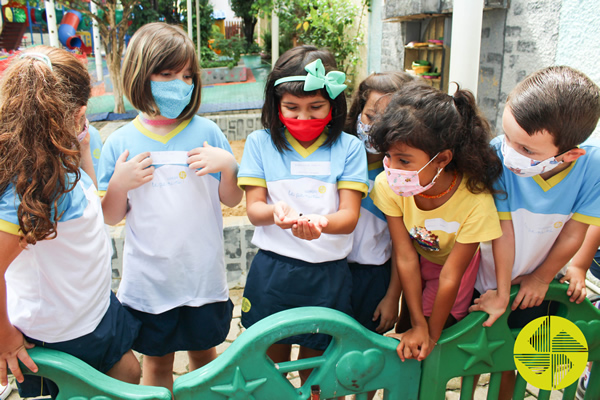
(308, 180)
(173, 254)
(59, 289)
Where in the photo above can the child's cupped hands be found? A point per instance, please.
(284, 216)
(415, 343)
(133, 173)
(309, 227)
(13, 348)
(209, 159)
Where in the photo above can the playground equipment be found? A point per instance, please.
(355, 362)
(14, 24)
(67, 32)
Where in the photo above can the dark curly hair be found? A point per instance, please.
(292, 63)
(39, 150)
(428, 119)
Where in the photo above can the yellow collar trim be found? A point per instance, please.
(305, 152)
(159, 138)
(553, 180)
(375, 165)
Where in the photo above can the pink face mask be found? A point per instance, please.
(406, 183)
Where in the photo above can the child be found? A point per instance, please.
(375, 286)
(549, 203)
(436, 227)
(55, 268)
(168, 170)
(550, 179)
(304, 179)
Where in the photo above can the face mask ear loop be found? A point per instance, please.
(438, 153)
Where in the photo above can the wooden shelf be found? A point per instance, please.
(424, 48)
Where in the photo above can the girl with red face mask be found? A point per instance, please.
(304, 180)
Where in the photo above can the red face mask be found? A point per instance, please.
(305, 130)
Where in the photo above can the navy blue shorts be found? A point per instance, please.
(276, 283)
(369, 286)
(183, 328)
(101, 349)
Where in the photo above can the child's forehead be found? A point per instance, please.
(541, 141)
(291, 98)
(403, 149)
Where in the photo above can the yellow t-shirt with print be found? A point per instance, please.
(464, 218)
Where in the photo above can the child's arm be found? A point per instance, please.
(209, 159)
(13, 346)
(387, 308)
(414, 343)
(128, 175)
(580, 263)
(261, 214)
(87, 164)
(535, 285)
(495, 302)
(449, 283)
(343, 221)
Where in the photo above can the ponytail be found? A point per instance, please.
(473, 154)
(39, 150)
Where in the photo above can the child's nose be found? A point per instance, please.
(304, 115)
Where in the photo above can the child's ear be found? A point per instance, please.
(444, 158)
(573, 154)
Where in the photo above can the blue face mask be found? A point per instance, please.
(171, 97)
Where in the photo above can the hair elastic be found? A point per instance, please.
(316, 79)
(38, 56)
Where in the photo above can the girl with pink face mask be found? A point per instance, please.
(436, 192)
(304, 180)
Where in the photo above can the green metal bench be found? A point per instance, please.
(356, 362)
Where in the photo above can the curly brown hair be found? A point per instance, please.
(39, 150)
(428, 119)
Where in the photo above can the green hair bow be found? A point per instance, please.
(316, 79)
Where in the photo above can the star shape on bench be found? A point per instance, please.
(239, 389)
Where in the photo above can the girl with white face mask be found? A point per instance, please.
(436, 191)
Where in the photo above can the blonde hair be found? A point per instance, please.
(157, 47)
(40, 96)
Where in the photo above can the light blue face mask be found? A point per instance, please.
(171, 97)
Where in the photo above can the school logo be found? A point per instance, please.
(246, 305)
(550, 353)
(97, 154)
(558, 224)
(182, 175)
(322, 189)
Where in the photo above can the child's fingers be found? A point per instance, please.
(141, 157)
(491, 319)
(145, 162)
(123, 157)
(400, 350)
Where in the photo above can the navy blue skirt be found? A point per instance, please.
(101, 349)
(276, 283)
(370, 284)
(183, 328)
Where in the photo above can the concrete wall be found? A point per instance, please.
(237, 126)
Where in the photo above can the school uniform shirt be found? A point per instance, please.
(464, 218)
(173, 253)
(59, 289)
(371, 244)
(540, 208)
(308, 180)
(95, 147)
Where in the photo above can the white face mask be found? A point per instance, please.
(525, 166)
(362, 130)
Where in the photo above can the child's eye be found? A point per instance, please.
(526, 150)
(188, 76)
(369, 117)
(165, 74)
(291, 108)
(317, 107)
(403, 161)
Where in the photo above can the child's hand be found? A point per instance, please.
(531, 293)
(492, 304)
(415, 343)
(576, 278)
(209, 159)
(284, 215)
(12, 349)
(309, 227)
(387, 310)
(134, 173)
